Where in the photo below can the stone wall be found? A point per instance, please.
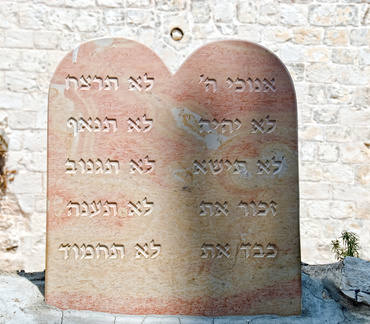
(324, 43)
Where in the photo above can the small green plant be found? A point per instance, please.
(351, 245)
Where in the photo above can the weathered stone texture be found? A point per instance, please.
(324, 44)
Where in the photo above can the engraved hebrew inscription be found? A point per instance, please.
(140, 166)
(140, 124)
(269, 166)
(143, 208)
(216, 209)
(226, 125)
(87, 83)
(259, 209)
(210, 251)
(259, 251)
(86, 252)
(93, 209)
(217, 166)
(148, 251)
(92, 167)
(264, 125)
(96, 126)
(145, 83)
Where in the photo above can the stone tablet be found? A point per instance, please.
(173, 194)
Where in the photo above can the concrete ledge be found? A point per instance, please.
(22, 301)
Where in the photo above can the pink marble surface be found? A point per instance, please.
(192, 176)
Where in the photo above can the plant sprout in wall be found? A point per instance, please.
(351, 245)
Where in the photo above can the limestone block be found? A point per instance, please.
(362, 98)
(360, 36)
(338, 134)
(32, 16)
(346, 15)
(291, 53)
(139, 3)
(352, 75)
(339, 94)
(8, 15)
(26, 182)
(336, 37)
(318, 209)
(142, 18)
(312, 133)
(200, 10)
(327, 152)
(171, 5)
(320, 72)
(307, 151)
(224, 11)
(296, 70)
(46, 39)
(315, 190)
(317, 94)
(307, 35)
(269, 14)
(80, 4)
(338, 172)
(24, 121)
(342, 209)
(363, 175)
(317, 54)
(88, 20)
(293, 15)
(20, 81)
(320, 15)
(327, 114)
(19, 38)
(63, 19)
(153, 176)
(350, 192)
(110, 3)
(247, 12)
(310, 171)
(355, 281)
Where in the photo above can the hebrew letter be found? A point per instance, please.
(273, 206)
(134, 208)
(271, 124)
(109, 122)
(76, 250)
(108, 206)
(108, 83)
(135, 84)
(216, 167)
(98, 125)
(247, 248)
(148, 206)
(114, 251)
(156, 247)
(73, 123)
(208, 81)
(150, 164)
(259, 251)
(71, 166)
(240, 167)
(272, 251)
(254, 208)
(216, 123)
(228, 165)
(136, 166)
(230, 82)
(262, 209)
(221, 209)
(133, 125)
(141, 251)
(66, 249)
(250, 82)
(84, 209)
(238, 124)
(245, 206)
(204, 126)
(258, 126)
(258, 86)
(263, 167)
(277, 164)
(240, 85)
(87, 252)
(99, 166)
(148, 80)
(225, 123)
(269, 85)
(85, 83)
(223, 251)
(83, 166)
(148, 122)
(200, 167)
(95, 208)
(204, 206)
(73, 205)
(208, 247)
(99, 81)
(101, 248)
(109, 164)
(89, 166)
(85, 125)
(68, 82)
